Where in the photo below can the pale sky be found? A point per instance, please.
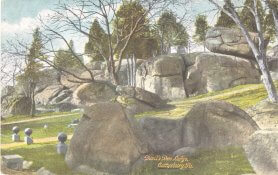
(19, 17)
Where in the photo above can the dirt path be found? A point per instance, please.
(41, 140)
(37, 119)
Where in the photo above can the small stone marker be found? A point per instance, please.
(62, 147)
(14, 162)
(74, 123)
(27, 139)
(45, 126)
(15, 136)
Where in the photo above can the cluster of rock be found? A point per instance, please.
(175, 77)
(229, 63)
(108, 140)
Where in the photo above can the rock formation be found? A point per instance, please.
(230, 42)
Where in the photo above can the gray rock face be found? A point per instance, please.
(229, 42)
(48, 94)
(142, 95)
(104, 140)
(44, 171)
(163, 135)
(163, 76)
(217, 124)
(213, 72)
(14, 162)
(193, 74)
(22, 106)
(265, 114)
(262, 152)
(50, 77)
(90, 93)
(213, 124)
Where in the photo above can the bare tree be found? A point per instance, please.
(76, 16)
(258, 51)
(273, 6)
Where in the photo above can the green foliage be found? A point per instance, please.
(97, 46)
(202, 27)
(32, 71)
(170, 32)
(142, 43)
(66, 60)
(248, 18)
(224, 20)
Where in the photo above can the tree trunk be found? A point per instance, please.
(134, 70)
(259, 53)
(275, 17)
(267, 80)
(128, 72)
(33, 103)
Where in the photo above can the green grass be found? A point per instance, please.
(42, 155)
(55, 125)
(27, 117)
(243, 96)
(229, 161)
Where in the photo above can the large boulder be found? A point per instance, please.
(213, 72)
(48, 94)
(273, 61)
(90, 93)
(142, 95)
(174, 77)
(262, 152)
(265, 113)
(230, 42)
(163, 135)
(163, 76)
(216, 124)
(21, 106)
(50, 77)
(105, 140)
(137, 100)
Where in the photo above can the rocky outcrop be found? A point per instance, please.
(50, 77)
(90, 93)
(262, 152)
(137, 100)
(213, 72)
(163, 76)
(209, 125)
(48, 94)
(104, 140)
(163, 135)
(142, 95)
(21, 106)
(172, 77)
(265, 114)
(217, 124)
(230, 42)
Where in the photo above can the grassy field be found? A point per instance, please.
(230, 161)
(243, 96)
(28, 117)
(42, 155)
(55, 125)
